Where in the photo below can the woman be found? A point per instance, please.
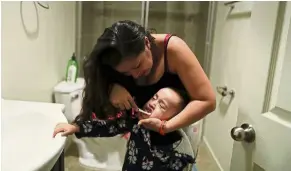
(128, 65)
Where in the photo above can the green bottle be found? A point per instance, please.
(72, 70)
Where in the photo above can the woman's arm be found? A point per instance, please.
(184, 63)
(103, 128)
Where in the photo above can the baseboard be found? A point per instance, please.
(212, 153)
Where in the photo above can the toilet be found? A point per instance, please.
(106, 154)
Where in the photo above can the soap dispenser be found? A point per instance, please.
(72, 70)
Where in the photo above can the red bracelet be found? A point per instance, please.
(161, 130)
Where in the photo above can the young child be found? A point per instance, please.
(146, 150)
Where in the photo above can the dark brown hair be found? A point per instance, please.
(123, 39)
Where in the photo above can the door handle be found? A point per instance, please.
(223, 91)
(244, 133)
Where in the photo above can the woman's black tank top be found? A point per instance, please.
(143, 93)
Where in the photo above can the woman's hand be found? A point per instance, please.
(66, 129)
(153, 124)
(121, 98)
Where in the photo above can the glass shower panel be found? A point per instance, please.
(188, 20)
(97, 15)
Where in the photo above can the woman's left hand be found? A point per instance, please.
(153, 124)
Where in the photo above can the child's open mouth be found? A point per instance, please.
(144, 111)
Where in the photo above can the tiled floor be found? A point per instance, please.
(204, 160)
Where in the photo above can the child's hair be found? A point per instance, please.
(183, 94)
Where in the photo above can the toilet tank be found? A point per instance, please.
(70, 94)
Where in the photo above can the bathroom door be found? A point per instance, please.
(225, 72)
(265, 95)
(251, 56)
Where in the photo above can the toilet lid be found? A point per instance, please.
(65, 87)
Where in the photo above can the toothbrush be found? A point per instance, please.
(144, 112)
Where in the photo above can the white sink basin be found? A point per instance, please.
(27, 129)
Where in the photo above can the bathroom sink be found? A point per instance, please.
(27, 129)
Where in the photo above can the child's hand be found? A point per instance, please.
(126, 136)
(67, 129)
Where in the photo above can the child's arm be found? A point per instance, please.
(103, 128)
